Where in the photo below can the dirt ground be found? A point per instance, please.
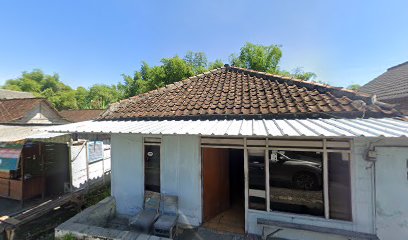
(43, 228)
(9, 206)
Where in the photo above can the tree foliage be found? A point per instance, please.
(62, 96)
(101, 95)
(354, 87)
(198, 61)
(171, 70)
(266, 59)
(147, 78)
(299, 73)
(258, 57)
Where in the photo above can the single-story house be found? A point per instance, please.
(36, 163)
(33, 111)
(391, 87)
(263, 154)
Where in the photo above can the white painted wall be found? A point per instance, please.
(181, 175)
(392, 192)
(127, 177)
(362, 184)
(43, 114)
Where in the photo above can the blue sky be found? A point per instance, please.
(95, 41)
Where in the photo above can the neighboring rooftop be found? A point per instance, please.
(8, 94)
(393, 84)
(232, 92)
(81, 115)
(28, 111)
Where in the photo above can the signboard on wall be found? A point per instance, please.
(95, 151)
(9, 156)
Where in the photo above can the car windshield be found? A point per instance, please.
(299, 156)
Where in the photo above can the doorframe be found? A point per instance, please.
(325, 145)
(246, 185)
(145, 142)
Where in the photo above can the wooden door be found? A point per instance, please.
(216, 182)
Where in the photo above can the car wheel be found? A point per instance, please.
(305, 181)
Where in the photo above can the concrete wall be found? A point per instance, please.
(391, 169)
(181, 175)
(127, 177)
(88, 224)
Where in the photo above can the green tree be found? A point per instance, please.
(258, 57)
(266, 59)
(36, 81)
(149, 78)
(198, 61)
(101, 95)
(81, 96)
(175, 69)
(298, 73)
(354, 87)
(216, 64)
(45, 85)
(64, 100)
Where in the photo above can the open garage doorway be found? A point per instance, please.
(223, 189)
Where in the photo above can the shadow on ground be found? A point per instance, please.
(203, 234)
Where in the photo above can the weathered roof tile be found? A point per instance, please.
(393, 84)
(235, 92)
(81, 115)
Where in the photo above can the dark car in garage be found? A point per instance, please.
(289, 169)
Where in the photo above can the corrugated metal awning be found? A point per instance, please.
(384, 127)
(11, 133)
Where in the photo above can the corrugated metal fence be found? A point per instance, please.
(86, 173)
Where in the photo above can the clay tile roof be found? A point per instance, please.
(392, 84)
(232, 92)
(8, 94)
(12, 110)
(81, 115)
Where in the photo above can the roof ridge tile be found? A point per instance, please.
(308, 83)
